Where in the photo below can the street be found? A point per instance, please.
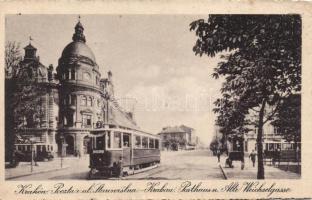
(175, 165)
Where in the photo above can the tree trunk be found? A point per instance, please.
(260, 174)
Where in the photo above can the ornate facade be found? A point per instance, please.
(75, 99)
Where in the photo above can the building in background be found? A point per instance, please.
(178, 138)
(272, 139)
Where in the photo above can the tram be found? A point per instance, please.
(117, 151)
(40, 151)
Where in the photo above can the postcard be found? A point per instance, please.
(156, 100)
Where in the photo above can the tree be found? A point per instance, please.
(261, 65)
(288, 119)
(12, 58)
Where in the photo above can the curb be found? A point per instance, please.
(39, 172)
(224, 175)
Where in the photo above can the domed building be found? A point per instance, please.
(86, 99)
(75, 99)
(80, 93)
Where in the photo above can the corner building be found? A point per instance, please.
(78, 100)
(85, 98)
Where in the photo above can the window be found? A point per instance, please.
(86, 76)
(83, 100)
(126, 140)
(137, 142)
(67, 75)
(72, 74)
(73, 99)
(86, 120)
(145, 142)
(151, 143)
(70, 120)
(117, 140)
(89, 101)
(100, 143)
(156, 144)
(64, 120)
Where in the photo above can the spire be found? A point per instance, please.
(78, 35)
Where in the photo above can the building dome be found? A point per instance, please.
(78, 48)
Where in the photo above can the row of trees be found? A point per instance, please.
(261, 67)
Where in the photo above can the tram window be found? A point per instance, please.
(126, 140)
(145, 142)
(137, 142)
(151, 143)
(100, 143)
(117, 140)
(156, 144)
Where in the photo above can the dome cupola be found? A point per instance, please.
(78, 47)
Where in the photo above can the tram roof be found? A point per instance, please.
(121, 129)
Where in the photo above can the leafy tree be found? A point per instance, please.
(261, 65)
(288, 119)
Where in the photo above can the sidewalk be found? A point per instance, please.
(250, 172)
(24, 168)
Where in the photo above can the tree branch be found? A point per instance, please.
(273, 113)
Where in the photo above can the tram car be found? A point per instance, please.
(116, 152)
(40, 151)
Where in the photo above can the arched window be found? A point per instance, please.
(83, 100)
(89, 103)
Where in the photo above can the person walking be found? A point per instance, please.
(252, 156)
(218, 154)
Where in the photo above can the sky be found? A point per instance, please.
(150, 57)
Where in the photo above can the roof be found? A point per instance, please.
(78, 49)
(175, 129)
(121, 118)
(30, 47)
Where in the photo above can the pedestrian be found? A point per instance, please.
(218, 154)
(252, 156)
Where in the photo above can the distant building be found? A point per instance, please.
(178, 137)
(272, 139)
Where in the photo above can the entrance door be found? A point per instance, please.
(126, 147)
(70, 149)
(86, 145)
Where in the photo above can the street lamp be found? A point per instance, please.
(62, 149)
(32, 141)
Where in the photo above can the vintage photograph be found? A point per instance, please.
(152, 97)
